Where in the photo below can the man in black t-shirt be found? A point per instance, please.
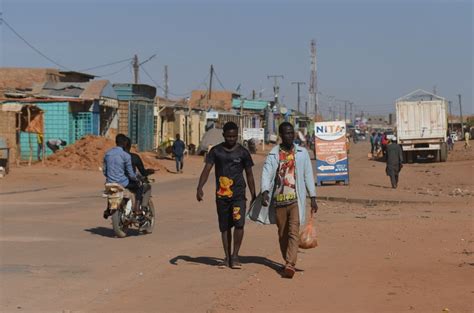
(230, 159)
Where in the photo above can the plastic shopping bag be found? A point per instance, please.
(308, 235)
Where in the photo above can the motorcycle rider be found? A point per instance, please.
(118, 169)
(137, 163)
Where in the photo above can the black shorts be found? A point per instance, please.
(230, 213)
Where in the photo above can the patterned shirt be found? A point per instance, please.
(285, 192)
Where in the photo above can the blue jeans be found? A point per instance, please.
(179, 162)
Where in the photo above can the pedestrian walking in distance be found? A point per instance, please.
(178, 151)
(372, 143)
(287, 175)
(467, 137)
(230, 159)
(394, 162)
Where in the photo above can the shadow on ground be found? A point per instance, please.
(212, 261)
(109, 232)
(380, 186)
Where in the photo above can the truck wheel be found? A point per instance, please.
(438, 156)
(410, 157)
(444, 152)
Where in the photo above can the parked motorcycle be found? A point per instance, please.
(119, 201)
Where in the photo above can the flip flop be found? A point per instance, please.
(223, 264)
(288, 272)
(236, 265)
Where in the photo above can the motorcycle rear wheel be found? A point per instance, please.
(150, 214)
(117, 224)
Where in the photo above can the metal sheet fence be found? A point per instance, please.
(140, 124)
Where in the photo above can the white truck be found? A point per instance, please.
(422, 124)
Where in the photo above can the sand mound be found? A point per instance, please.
(88, 154)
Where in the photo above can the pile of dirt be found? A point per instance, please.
(88, 154)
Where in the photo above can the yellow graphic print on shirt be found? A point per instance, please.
(286, 178)
(224, 187)
(236, 213)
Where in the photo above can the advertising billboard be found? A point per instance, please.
(331, 152)
(253, 133)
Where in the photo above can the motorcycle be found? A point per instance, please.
(119, 203)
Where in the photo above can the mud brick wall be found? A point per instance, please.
(8, 132)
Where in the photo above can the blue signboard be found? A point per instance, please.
(331, 152)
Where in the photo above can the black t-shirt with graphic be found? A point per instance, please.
(229, 168)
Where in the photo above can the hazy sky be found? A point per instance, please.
(369, 52)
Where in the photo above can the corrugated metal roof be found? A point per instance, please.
(85, 90)
(257, 105)
(77, 73)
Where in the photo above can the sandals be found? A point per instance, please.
(236, 265)
(223, 264)
(288, 272)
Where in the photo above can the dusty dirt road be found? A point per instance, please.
(408, 250)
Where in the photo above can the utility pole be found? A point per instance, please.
(298, 88)
(136, 66)
(253, 94)
(241, 120)
(210, 84)
(166, 82)
(276, 87)
(351, 103)
(460, 112)
(345, 110)
(306, 108)
(450, 119)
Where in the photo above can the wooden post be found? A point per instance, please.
(29, 137)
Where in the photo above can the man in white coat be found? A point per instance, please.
(287, 177)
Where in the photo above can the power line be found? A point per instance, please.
(219, 81)
(105, 65)
(158, 85)
(179, 95)
(116, 72)
(31, 46)
(151, 78)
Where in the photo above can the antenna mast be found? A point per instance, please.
(313, 79)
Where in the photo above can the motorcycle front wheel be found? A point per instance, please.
(117, 224)
(150, 216)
